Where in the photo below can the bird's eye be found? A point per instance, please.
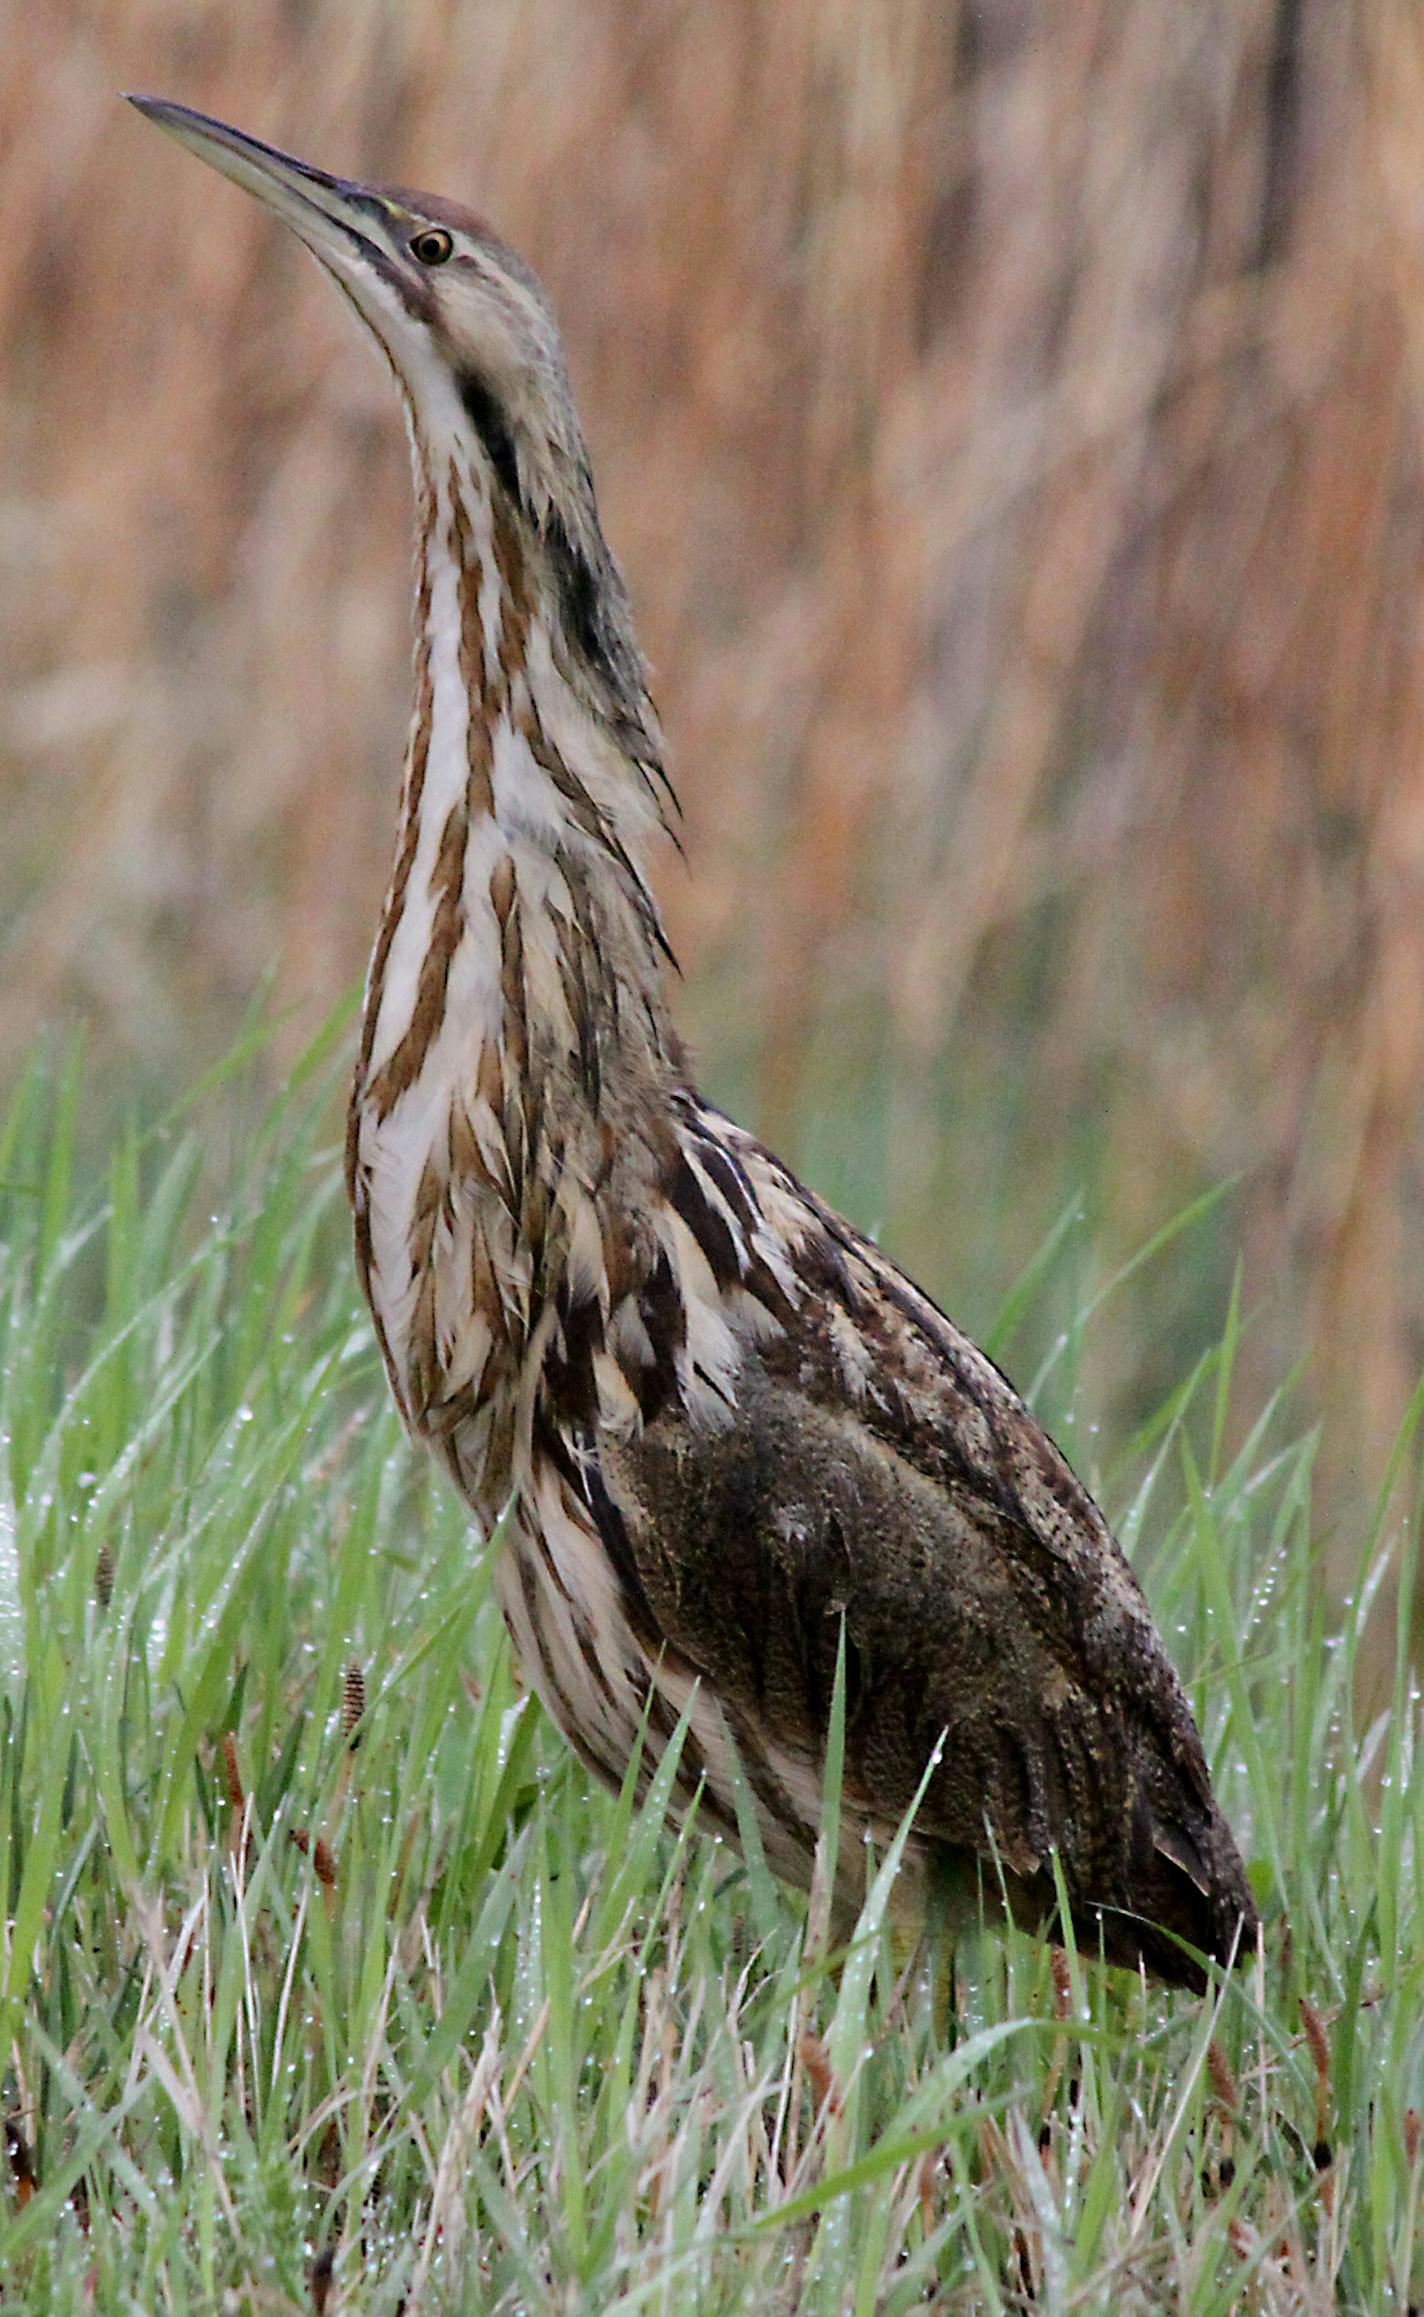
(431, 246)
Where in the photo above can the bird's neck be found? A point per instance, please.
(516, 1039)
(521, 819)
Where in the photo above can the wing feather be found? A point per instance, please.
(883, 1471)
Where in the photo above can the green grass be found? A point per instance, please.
(503, 2043)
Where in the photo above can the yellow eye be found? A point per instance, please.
(431, 246)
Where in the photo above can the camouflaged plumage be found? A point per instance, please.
(723, 1429)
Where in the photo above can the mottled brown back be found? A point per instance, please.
(883, 1473)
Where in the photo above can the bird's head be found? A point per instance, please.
(468, 332)
(463, 320)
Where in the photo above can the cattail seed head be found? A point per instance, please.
(353, 1702)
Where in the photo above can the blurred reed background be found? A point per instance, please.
(1008, 416)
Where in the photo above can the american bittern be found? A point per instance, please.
(726, 1434)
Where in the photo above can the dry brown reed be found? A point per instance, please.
(1008, 418)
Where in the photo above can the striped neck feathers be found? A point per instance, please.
(518, 930)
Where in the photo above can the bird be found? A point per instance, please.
(736, 1465)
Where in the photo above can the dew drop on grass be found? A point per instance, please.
(12, 1616)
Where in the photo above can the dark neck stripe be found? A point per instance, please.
(593, 611)
(581, 602)
(489, 422)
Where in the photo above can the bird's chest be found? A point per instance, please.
(452, 1277)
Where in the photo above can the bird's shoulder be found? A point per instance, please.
(862, 1343)
(784, 1389)
(943, 1491)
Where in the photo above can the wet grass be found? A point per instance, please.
(330, 1984)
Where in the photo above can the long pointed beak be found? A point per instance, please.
(329, 213)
